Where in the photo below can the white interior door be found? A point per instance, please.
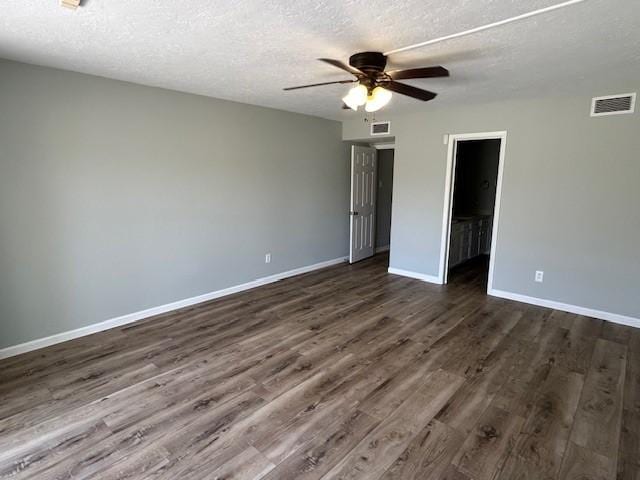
(363, 202)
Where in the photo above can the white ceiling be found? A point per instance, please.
(248, 50)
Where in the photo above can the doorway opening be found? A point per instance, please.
(472, 201)
(384, 197)
(371, 197)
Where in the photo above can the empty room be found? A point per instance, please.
(319, 240)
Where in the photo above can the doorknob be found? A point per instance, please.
(354, 213)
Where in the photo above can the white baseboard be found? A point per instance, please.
(419, 276)
(382, 249)
(150, 312)
(565, 307)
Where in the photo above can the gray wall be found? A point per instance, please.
(476, 177)
(570, 197)
(116, 197)
(384, 197)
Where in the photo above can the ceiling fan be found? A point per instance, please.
(375, 85)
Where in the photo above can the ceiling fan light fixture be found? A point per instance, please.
(374, 85)
(379, 98)
(356, 97)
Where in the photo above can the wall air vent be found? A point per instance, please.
(380, 128)
(613, 104)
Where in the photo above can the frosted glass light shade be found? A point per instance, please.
(379, 98)
(356, 97)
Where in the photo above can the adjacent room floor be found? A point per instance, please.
(347, 372)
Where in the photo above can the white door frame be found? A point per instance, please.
(448, 199)
(386, 146)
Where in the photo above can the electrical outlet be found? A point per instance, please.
(539, 276)
(267, 258)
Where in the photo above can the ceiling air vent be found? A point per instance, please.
(380, 128)
(613, 104)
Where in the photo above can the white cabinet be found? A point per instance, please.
(470, 237)
(486, 228)
(455, 246)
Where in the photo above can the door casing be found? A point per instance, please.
(448, 199)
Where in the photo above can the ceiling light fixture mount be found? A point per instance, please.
(71, 4)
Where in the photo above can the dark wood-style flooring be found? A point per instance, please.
(344, 373)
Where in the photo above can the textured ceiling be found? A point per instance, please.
(248, 50)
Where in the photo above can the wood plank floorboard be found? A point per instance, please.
(343, 373)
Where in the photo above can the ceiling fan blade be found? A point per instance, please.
(345, 106)
(319, 84)
(408, 90)
(424, 72)
(342, 66)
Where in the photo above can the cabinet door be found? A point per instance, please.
(455, 247)
(468, 241)
(486, 237)
(475, 239)
(483, 240)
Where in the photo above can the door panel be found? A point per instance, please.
(363, 202)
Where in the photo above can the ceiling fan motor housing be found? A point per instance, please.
(368, 62)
